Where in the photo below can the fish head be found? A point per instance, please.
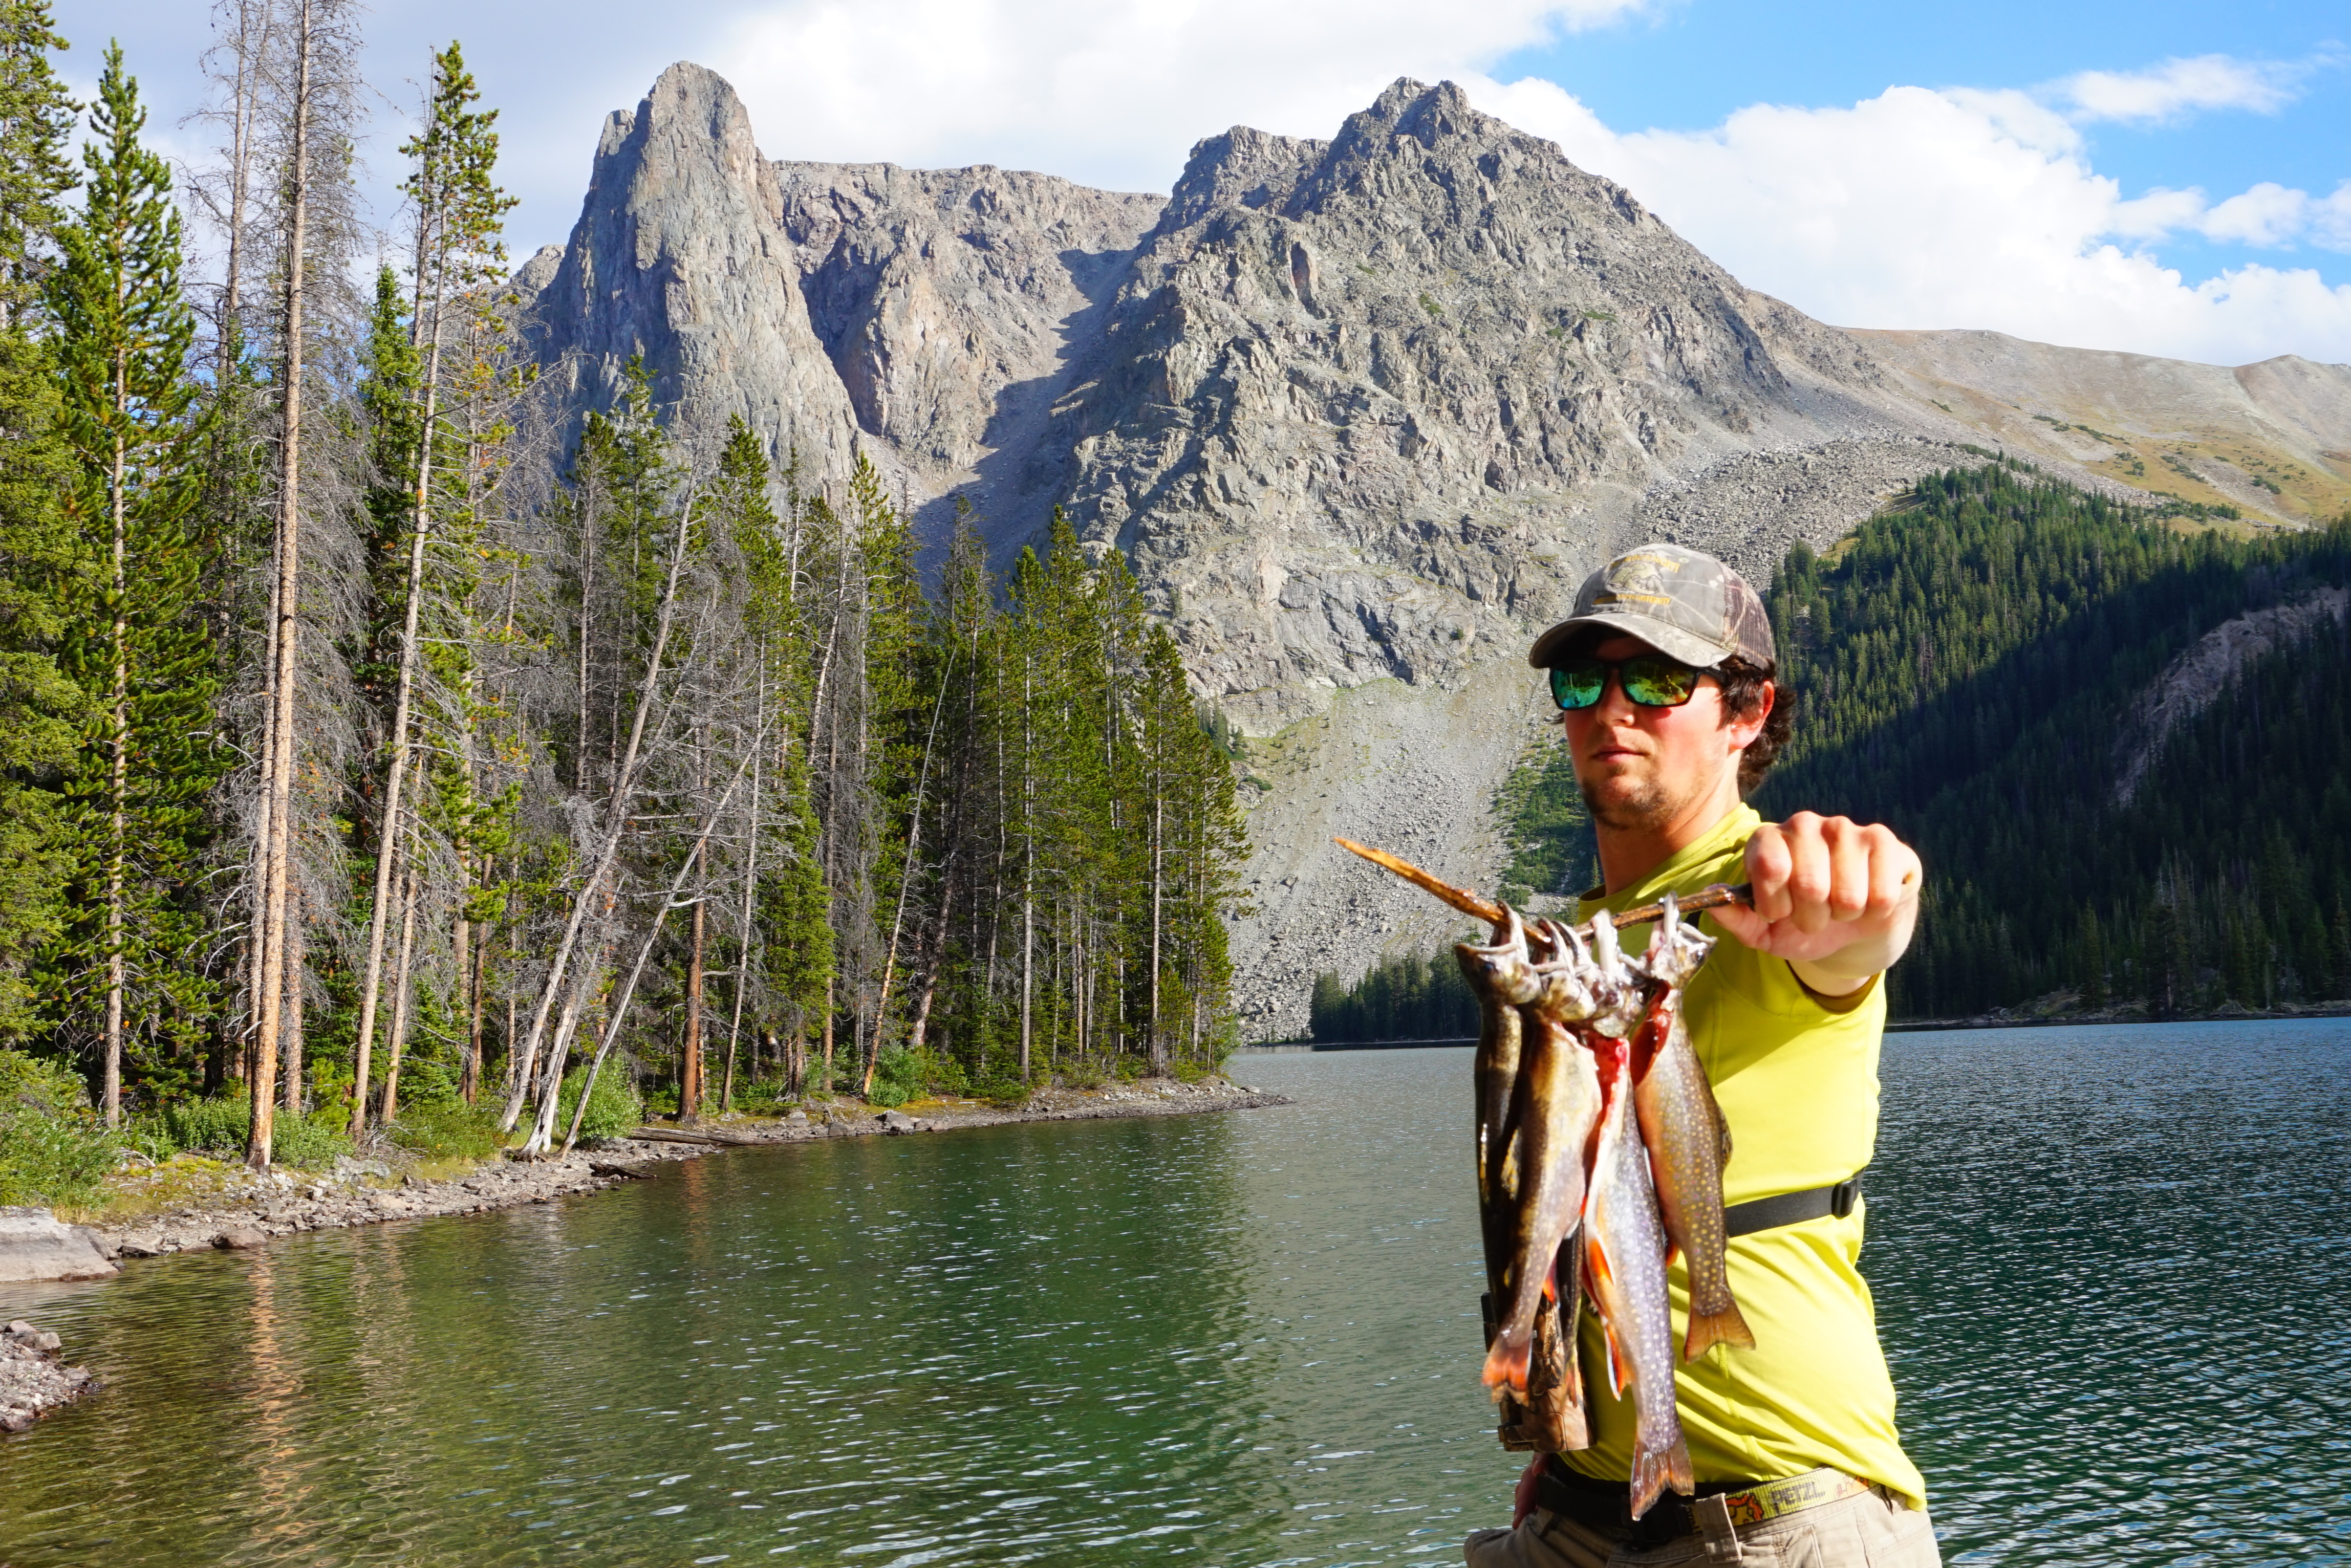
(1503, 968)
(1619, 995)
(1676, 949)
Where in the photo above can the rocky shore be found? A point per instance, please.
(235, 1210)
(34, 1377)
(245, 1210)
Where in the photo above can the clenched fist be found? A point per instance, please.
(1837, 899)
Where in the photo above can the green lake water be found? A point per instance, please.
(2108, 1265)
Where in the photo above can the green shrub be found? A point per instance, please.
(304, 1145)
(423, 1081)
(54, 1151)
(219, 1127)
(897, 1077)
(1003, 1094)
(615, 1110)
(450, 1129)
(205, 1126)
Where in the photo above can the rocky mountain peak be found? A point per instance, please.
(675, 257)
(1242, 167)
(1361, 412)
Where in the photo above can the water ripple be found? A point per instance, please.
(2105, 1265)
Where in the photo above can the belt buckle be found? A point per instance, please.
(1844, 1196)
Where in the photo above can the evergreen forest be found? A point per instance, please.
(386, 752)
(1978, 666)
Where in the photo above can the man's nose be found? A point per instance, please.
(1615, 706)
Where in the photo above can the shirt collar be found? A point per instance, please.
(1737, 825)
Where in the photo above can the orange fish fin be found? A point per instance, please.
(1707, 1329)
(1507, 1362)
(1655, 1470)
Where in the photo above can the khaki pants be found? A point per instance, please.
(1864, 1532)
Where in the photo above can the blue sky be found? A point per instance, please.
(2158, 177)
(1689, 66)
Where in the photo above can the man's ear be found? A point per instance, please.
(1743, 731)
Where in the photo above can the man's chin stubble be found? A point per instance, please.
(1643, 806)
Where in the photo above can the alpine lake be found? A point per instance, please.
(2108, 1263)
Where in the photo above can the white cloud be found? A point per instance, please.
(2267, 214)
(2330, 220)
(1099, 90)
(2177, 86)
(1932, 209)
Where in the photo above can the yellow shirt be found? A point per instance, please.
(1797, 1080)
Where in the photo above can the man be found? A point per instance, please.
(1664, 678)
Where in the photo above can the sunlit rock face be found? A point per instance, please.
(1361, 412)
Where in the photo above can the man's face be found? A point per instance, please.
(1645, 768)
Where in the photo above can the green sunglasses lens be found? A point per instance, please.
(1658, 682)
(1578, 683)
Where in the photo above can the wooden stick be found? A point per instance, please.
(1713, 897)
(1469, 904)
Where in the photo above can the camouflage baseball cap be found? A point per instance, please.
(1686, 605)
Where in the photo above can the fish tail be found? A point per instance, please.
(1507, 1362)
(1654, 1470)
(1707, 1329)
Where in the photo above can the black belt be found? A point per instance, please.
(1606, 1506)
(1793, 1207)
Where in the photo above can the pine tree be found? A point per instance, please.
(43, 568)
(124, 336)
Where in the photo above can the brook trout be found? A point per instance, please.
(1624, 1269)
(1687, 1140)
(1562, 1088)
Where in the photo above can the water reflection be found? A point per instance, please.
(2105, 1263)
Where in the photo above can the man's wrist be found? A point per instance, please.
(1823, 980)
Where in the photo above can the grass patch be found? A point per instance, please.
(449, 1130)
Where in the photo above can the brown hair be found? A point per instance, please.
(1743, 685)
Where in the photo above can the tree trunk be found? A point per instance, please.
(118, 720)
(276, 850)
(1158, 1041)
(297, 945)
(396, 765)
(743, 941)
(689, 1089)
(828, 1033)
(403, 985)
(390, 863)
(469, 1087)
(931, 973)
(616, 824)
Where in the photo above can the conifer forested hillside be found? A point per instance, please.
(1975, 667)
(375, 762)
(1970, 668)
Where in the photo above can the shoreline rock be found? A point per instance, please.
(34, 1378)
(35, 1245)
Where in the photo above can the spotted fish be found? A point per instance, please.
(1624, 1270)
(1687, 1140)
